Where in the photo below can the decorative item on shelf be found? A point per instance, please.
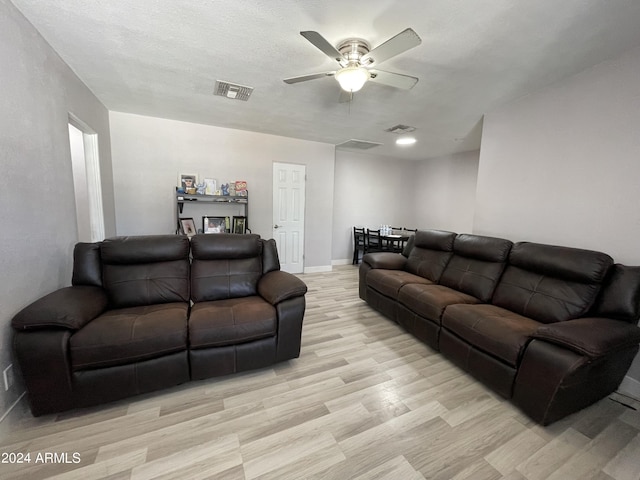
(188, 227)
(210, 186)
(215, 224)
(232, 188)
(200, 188)
(187, 182)
(241, 188)
(225, 189)
(239, 225)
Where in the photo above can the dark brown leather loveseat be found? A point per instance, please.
(145, 313)
(552, 328)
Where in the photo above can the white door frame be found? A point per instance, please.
(85, 161)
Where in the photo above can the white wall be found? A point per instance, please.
(370, 191)
(36, 186)
(562, 166)
(445, 192)
(148, 153)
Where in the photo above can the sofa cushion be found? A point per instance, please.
(230, 322)
(429, 301)
(129, 335)
(389, 282)
(476, 265)
(225, 266)
(145, 270)
(226, 246)
(494, 330)
(430, 254)
(550, 283)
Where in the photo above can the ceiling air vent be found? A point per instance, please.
(400, 129)
(358, 144)
(232, 90)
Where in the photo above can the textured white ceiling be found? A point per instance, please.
(162, 58)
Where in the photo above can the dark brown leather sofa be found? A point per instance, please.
(552, 328)
(149, 312)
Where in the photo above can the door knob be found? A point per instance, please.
(276, 226)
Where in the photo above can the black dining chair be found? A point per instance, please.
(358, 244)
(373, 242)
(395, 245)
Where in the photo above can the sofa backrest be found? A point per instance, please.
(551, 283)
(476, 265)
(620, 295)
(87, 265)
(430, 254)
(225, 265)
(145, 270)
(270, 259)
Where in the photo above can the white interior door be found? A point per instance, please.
(288, 215)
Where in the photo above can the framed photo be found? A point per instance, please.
(239, 225)
(209, 186)
(188, 227)
(187, 181)
(215, 224)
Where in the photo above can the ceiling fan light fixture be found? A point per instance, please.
(352, 78)
(406, 141)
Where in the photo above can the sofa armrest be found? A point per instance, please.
(44, 359)
(69, 307)
(593, 337)
(278, 286)
(385, 260)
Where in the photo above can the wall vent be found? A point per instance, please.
(358, 144)
(400, 129)
(232, 90)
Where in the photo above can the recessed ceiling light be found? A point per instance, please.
(405, 141)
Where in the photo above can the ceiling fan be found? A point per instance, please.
(358, 63)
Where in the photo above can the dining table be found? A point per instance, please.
(395, 241)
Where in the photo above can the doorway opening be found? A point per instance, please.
(85, 162)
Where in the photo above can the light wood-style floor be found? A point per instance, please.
(365, 400)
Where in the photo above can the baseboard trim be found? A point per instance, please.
(320, 269)
(341, 261)
(630, 387)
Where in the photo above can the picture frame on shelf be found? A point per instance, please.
(210, 186)
(187, 182)
(215, 224)
(188, 227)
(239, 225)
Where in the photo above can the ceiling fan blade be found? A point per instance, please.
(394, 46)
(312, 76)
(406, 82)
(323, 45)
